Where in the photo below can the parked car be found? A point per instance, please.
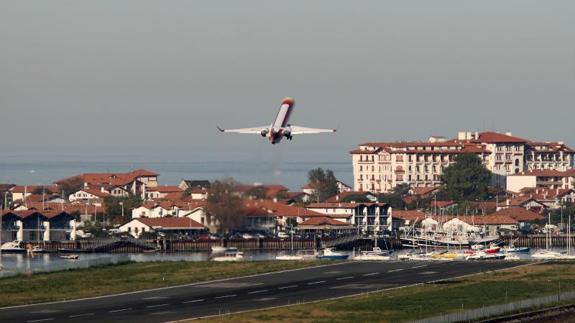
(282, 235)
(247, 236)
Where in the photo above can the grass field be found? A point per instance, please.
(78, 283)
(427, 300)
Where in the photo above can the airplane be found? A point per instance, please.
(279, 127)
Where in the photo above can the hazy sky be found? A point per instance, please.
(150, 80)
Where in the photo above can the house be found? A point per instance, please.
(258, 191)
(187, 184)
(542, 178)
(160, 192)
(526, 202)
(550, 198)
(343, 187)
(370, 216)
(167, 226)
(405, 218)
(325, 223)
(89, 194)
(152, 209)
(134, 183)
(352, 196)
(33, 225)
(490, 225)
(20, 192)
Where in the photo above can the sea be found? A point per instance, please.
(292, 174)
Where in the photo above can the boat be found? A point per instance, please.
(375, 254)
(69, 257)
(13, 247)
(445, 255)
(329, 254)
(481, 255)
(220, 249)
(512, 249)
(546, 255)
(492, 250)
(512, 256)
(300, 255)
(230, 256)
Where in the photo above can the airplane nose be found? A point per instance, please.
(288, 101)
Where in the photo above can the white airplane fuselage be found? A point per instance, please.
(280, 127)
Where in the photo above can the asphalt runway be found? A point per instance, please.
(248, 293)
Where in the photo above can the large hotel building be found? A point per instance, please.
(380, 166)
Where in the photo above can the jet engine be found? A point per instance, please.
(287, 134)
(264, 132)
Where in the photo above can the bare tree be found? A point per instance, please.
(224, 206)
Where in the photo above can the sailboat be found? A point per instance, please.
(554, 255)
(374, 254)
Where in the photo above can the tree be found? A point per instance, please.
(70, 185)
(358, 198)
(466, 179)
(114, 207)
(394, 200)
(224, 206)
(323, 182)
(257, 192)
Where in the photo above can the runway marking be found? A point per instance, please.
(154, 298)
(394, 270)
(81, 315)
(158, 305)
(370, 274)
(194, 301)
(226, 296)
(41, 320)
(120, 310)
(429, 273)
(421, 266)
(228, 285)
(46, 311)
(286, 287)
(333, 272)
(258, 291)
(266, 299)
(315, 283)
(344, 278)
(163, 313)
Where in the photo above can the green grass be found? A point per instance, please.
(427, 300)
(110, 279)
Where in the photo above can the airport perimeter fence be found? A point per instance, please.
(496, 310)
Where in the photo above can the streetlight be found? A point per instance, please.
(122, 204)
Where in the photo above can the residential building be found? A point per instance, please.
(380, 166)
(32, 225)
(544, 178)
(161, 192)
(117, 184)
(166, 226)
(186, 184)
(369, 217)
(21, 192)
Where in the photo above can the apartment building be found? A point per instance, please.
(380, 166)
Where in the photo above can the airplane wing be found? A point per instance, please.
(255, 130)
(296, 130)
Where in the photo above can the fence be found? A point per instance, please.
(495, 310)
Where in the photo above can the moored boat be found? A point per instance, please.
(329, 254)
(230, 256)
(300, 255)
(12, 247)
(69, 257)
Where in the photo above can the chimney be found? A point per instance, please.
(337, 197)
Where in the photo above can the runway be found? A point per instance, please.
(247, 293)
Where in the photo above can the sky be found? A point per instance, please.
(151, 80)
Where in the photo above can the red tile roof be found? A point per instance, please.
(165, 189)
(170, 223)
(422, 191)
(31, 188)
(410, 215)
(324, 220)
(279, 209)
(519, 214)
(495, 137)
(96, 192)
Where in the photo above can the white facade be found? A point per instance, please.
(379, 167)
